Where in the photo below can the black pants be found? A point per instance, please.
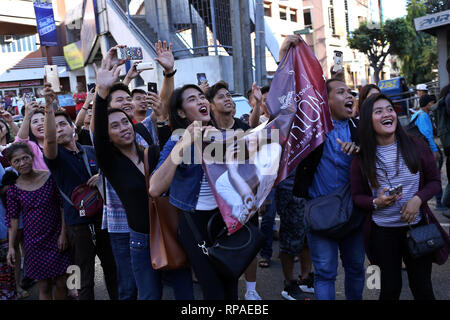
(389, 246)
(214, 286)
(84, 252)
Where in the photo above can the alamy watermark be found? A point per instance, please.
(373, 281)
(74, 278)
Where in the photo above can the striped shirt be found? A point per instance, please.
(206, 200)
(387, 166)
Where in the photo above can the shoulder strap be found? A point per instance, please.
(65, 197)
(142, 130)
(86, 161)
(195, 232)
(147, 170)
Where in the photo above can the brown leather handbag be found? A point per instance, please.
(165, 250)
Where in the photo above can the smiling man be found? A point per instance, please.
(325, 170)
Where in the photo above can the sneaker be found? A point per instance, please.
(252, 295)
(292, 292)
(307, 285)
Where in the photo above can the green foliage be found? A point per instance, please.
(377, 44)
(420, 58)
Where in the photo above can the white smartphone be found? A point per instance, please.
(337, 58)
(145, 66)
(51, 74)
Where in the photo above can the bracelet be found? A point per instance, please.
(169, 75)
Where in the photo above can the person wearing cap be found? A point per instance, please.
(421, 90)
(423, 122)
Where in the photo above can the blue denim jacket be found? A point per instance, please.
(185, 186)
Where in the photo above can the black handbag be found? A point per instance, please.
(334, 215)
(424, 240)
(230, 254)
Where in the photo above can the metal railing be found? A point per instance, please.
(133, 27)
(196, 27)
(39, 62)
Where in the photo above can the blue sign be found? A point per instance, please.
(45, 22)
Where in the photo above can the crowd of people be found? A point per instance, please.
(51, 156)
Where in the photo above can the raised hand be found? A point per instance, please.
(204, 86)
(112, 55)
(256, 92)
(165, 56)
(107, 75)
(133, 72)
(5, 115)
(49, 95)
(290, 41)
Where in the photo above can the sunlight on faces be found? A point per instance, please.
(140, 102)
(384, 118)
(64, 131)
(37, 125)
(122, 100)
(340, 100)
(120, 129)
(222, 102)
(22, 162)
(195, 106)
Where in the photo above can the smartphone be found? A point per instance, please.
(152, 87)
(130, 53)
(201, 77)
(337, 58)
(51, 74)
(90, 86)
(145, 66)
(396, 190)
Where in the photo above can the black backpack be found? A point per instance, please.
(412, 129)
(442, 122)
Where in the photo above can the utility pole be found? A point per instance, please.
(260, 44)
(238, 63)
(246, 45)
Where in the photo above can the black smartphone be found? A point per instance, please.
(90, 86)
(201, 77)
(152, 87)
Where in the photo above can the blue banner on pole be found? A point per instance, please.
(45, 22)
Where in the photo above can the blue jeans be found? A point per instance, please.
(120, 244)
(267, 225)
(148, 280)
(324, 254)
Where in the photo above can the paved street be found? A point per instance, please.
(270, 280)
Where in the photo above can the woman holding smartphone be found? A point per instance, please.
(189, 187)
(121, 160)
(389, 158)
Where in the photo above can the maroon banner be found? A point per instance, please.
(252, 163)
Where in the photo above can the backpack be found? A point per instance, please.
(413, 130)
(442, 122)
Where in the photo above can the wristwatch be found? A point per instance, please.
(169, 75)
(375, 207)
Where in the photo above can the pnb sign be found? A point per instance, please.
(432, 20)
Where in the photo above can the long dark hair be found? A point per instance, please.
(30, 134)
(139, 149)
(176, 103)
(368, 142)
(9, 139)
(364, 92)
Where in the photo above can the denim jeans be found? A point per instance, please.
(148, 280)
(324, 254)
(267, 225)
(120, 244)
